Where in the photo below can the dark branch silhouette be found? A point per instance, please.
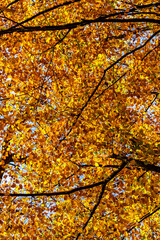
(103, 77)
(147, 167)
(45, 11)
(67, 192)
(123, 165)
(82, 23)
(143, 218)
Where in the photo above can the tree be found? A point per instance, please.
(79, 119)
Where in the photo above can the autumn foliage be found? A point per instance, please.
(79, 119)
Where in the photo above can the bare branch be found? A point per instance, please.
(10, 4)
(77, 24)
(123, 165)
(45, 11)
(150, 52)
(148, 5)
(94, 209)
(111, 85)
(101, 80)
(67, 192)
(147, 167)
(143, 218)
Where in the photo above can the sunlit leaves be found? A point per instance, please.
(76, 104)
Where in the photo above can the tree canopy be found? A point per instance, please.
(79, 119)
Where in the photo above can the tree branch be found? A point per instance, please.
(148, 5)
(102, 78)
(143, 218)
(67, 192)
(94, 209)
(10, 4)
(147, 167)
(44, 11)
(150, 52)
(112, 84)
(77, 24)
(102, 192)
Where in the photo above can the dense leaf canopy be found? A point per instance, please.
(79, 119)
